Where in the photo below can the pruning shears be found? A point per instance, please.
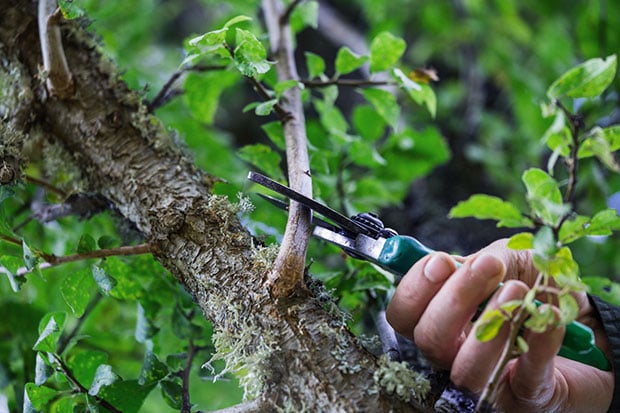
(364, 236)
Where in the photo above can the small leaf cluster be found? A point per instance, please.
(552, 215)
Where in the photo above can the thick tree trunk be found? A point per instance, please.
(297, 353)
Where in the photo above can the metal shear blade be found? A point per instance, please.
(342, 221)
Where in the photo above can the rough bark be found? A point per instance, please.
(300, 356)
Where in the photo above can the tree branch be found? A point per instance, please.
(126, 250)
(59, 78)
(287, 274)
(299, 354)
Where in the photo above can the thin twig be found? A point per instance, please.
(11, 240)
(53, 260)
(186, 405)
(46, 185)
(287, 272)
(162, 97)
(489, 394)
(286, 16)
(59, 78)
(345, 82)
(125, 250)
(282, 113)
(80, 387)
(65, 339)
(575, 123)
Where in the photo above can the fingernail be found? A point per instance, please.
(438, 268)
(487, 266)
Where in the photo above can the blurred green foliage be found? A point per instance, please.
(126, 325)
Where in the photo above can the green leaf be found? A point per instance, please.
(172, 392)
(368, 123)
(604, 222)
(490, 207)
(211, 43)
(70, 10)
(203, 91)
(236, 20)
(107, 241)
(385, 50)
(9, 266)
(586, 80)
(348, 61)
(275, 133)
(544, 196)
(76, 290)
(145, 327)
(84, 364)
(305, 14)
(574, 228)
(285, 85)
(105, 282)
(601, 143)
(366, 155)
(488, 326)
(50, 329)
(117, 394)
(569, 309)
(522, 345)
(422, 94)
(521, 241)
(127, 286)
(265, 108)
(30, 259)
(153, 370)
(263, 157)
(250, 54)
(104, 376)
(43, 370)
(544, 243)
(86, 244)
(332, 119)
(39, 396)
(315, 65)
(410, 154)
(540, 319)
(385, 104)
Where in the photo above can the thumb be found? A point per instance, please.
(532, 378)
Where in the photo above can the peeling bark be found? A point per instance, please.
(299, 355)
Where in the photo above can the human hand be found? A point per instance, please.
(435, 302)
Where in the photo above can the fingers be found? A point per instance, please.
(440, 330)
(519, 263)
(416, 290)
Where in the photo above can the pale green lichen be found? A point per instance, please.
(60, 164)
(398, 378)
(244, 347)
